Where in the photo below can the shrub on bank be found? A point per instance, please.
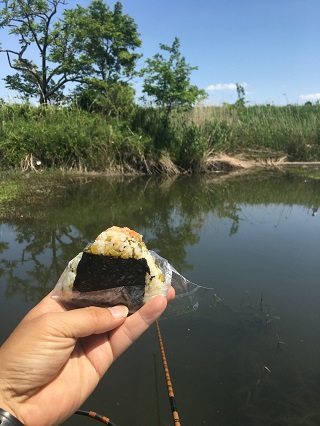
(68, 138)
(76, 139)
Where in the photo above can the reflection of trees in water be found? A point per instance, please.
(44, 253)
(232, 211)
(47, 244)
(169, 212)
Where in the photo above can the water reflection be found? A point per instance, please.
(34, 257)
(169, 213)
(247, 353)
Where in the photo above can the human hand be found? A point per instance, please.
(55, 358)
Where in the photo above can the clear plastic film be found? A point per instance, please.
(187, 294)
(186, 299)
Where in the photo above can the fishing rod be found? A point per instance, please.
(172, 400)
(96, 416)
(173, 405)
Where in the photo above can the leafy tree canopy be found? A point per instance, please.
(167, 80)
(83, 43)
(116, 99)
(107, 37)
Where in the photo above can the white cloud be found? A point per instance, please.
(224, 86)
(310, 97)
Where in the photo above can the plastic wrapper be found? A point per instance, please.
(117, 268)
(187, 293)
(133, 296)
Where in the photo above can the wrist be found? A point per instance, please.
(8, 402)
(9, 408)
(8, 419)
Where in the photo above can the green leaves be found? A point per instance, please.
(93, 42)
(104, 39)
(167, 80)
(87, 44)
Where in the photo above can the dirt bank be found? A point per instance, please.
(224, 162)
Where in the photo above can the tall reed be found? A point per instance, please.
(149, 142)
(291, 130)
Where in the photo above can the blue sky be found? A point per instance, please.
(271, 47)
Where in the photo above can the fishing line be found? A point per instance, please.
(172, 400)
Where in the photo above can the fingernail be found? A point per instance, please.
(119, 311)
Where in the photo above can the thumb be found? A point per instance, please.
(84, 322)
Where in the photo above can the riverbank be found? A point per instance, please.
(145, 141)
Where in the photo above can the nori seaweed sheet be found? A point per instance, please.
(98, 272)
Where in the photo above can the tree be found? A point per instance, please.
(70, 49)
(167, 81)
(109, 38)
(241, 93)
(32, 22)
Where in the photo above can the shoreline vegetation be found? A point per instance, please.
(146, 141)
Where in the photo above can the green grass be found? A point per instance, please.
(73, 139)
(67, 138)
(293, 130)
(8, 192)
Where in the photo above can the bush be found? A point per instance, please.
(74, 138)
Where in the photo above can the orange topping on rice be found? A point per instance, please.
(127, 231)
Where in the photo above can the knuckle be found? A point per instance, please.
(128, 333)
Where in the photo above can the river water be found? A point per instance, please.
(249, 354)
